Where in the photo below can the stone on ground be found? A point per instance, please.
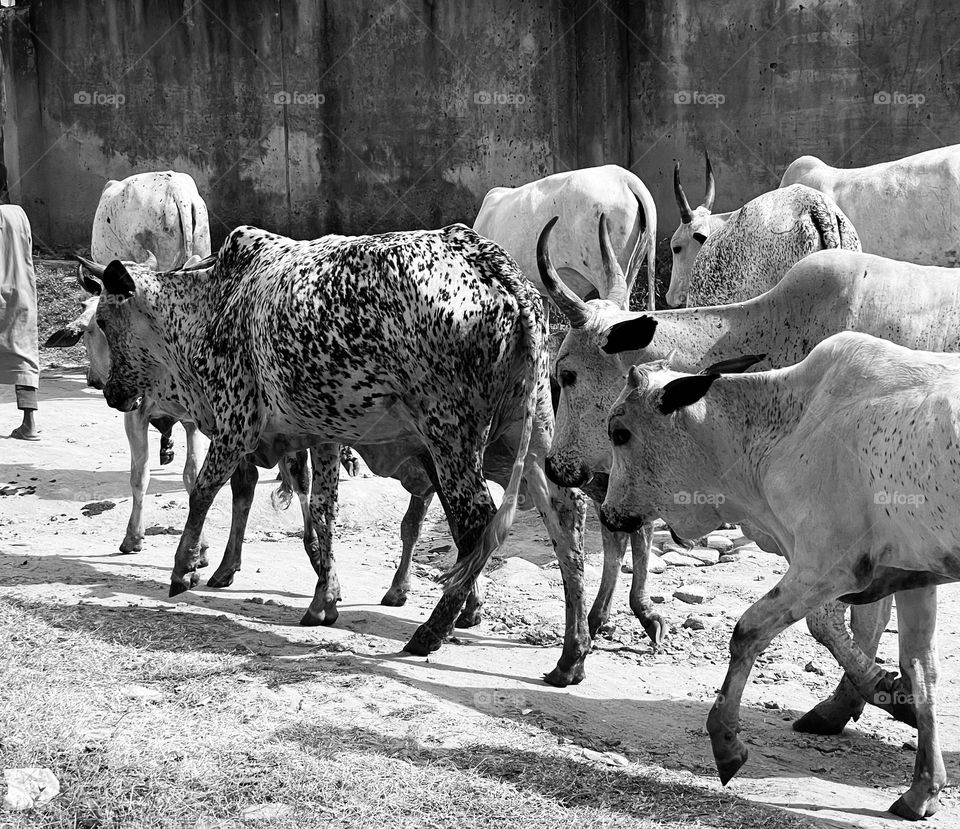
(692, 594)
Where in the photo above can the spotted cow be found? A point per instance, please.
(848, 460)
(826, 292)
(429, 341)
(750, 252)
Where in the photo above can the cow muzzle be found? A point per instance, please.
(562, 475)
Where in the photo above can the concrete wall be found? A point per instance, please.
(388, 123)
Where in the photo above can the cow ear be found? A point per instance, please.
(151, 261)
(630, 335)
(685, 391)
(117, 281)
(736, 365)
(700, 237)
(64, 338)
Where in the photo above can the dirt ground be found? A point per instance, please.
(636, 706)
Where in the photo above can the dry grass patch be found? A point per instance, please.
(147, 728)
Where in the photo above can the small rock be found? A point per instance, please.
(658, 598)
(692, 594)
(728, 559)
(517, 571)
(705, 555)
(96, 507)
(695, 623)
(140, 692)
(626, 567)
(719, 542)
(28, 788)
(655, 564)
(675, 559)
(910, 745)
(814, 668)
(265, 811)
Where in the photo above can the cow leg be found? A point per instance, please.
(614, 546)
(640, 603)
(884, 689)
(919, 660)
(243, 485)
(410, 526)
(470, 614)
(564, 514)
(219, 465)
(790, 600)
(190, 469)
(135, 424)
(832, 715)
(349, 461)
(470, 509)
(324, 492)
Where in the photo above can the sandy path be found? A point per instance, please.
(645, 705)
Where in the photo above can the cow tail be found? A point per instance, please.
(823, 219)
(185, 212)
(282, 496)
(646, 244)
(849, 240)
(496, 532)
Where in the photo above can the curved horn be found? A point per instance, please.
(94, 268)
(686, 214)
(567, 301)
(711, 189)
(612, 273)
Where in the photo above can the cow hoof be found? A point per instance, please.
(731, 760)
(218, 579)
(813, 722)
(423, 642)
(654, 627)
(469, 619)
(597, 625)
(394, 599)
(167, 457)
(181, 584)
(902, 808)
(203, 561)
(561, 678)
(324, 618)
(131, 545)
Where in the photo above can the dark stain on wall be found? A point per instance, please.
(317, 116)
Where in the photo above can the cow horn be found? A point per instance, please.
(711, 188)
(94, 268)
(567, 301)
(612, 273)
(686, 214)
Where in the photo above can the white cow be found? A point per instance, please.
(751, 252)
(848, 461)
(513, 217)
(905, 209)
(158, 219)
(696, 225)
(151, 213)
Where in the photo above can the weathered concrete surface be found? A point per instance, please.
(403, 114)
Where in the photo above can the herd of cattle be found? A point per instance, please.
(428, 352)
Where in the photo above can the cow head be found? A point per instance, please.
(660, 469)
(84, 327)
(588, 371)
(689, 236)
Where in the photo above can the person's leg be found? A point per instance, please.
(27, 403)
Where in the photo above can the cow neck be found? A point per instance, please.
(744, 419)
(693, 333)
(179, 304)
